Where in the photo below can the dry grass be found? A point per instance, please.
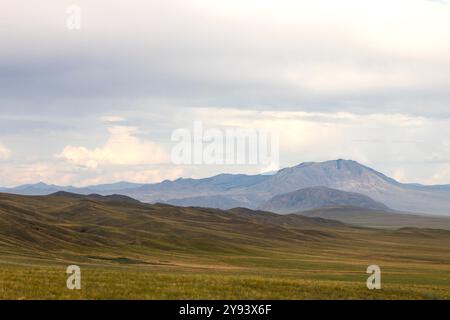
(109, 283)
(135, 251)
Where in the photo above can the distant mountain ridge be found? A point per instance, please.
(318, 197)
(225, 191)
(42, 189)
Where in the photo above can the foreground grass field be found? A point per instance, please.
(129, 250)
(45, 282)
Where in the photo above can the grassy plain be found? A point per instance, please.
(128, 250)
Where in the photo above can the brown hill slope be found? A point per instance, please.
(71, 222)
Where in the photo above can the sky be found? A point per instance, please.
(361, 80)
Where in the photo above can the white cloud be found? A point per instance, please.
(439, 1)
(122, 148)
(5, 153)
(13, 174)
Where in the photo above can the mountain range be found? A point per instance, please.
(227, 191)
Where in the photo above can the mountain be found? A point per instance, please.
(212, 201)
(122, 185)
(223, 186)
(33, 189)
(345, 175)
(317, 197)
(41, 189)
(253, 191)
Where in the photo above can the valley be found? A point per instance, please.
(131, 250)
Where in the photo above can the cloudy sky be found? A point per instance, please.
(362, 80)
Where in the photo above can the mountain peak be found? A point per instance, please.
(337, 162)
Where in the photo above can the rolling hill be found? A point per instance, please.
(66, 221)
(318, 197)
(76, 223)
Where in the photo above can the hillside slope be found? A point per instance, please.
(317, 197)
(71, 222)
(377, 218)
